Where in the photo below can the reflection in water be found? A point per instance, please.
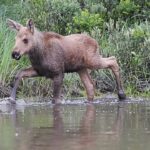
(87, 140)
(57, 137)
(75, 127)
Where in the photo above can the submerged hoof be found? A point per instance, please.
(121, 95)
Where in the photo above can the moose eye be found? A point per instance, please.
(25, 41)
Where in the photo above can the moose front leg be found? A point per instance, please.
(57, 84)
(29, 72)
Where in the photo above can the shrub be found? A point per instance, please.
(52, 14)
(85, 22)
(131, 46)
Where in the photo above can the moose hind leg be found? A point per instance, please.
(98, 62)
(88, 84)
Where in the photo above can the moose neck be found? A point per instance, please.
(38, 43)
(37, 52)
(38, 40)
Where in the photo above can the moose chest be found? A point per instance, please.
(43, 66)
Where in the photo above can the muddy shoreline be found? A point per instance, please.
(5, 90)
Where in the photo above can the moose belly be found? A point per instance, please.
(75, 65)
(48, 73)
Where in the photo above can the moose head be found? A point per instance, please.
(24, 40)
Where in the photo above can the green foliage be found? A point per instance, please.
(52, 14)
(6, 42)
(85, 21)
(132, 10)
(8, 2)
(131, 47)
(127, 7)
(139, 33)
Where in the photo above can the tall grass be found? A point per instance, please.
(6, 43)
(131, 46)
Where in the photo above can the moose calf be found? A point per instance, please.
(52, 55)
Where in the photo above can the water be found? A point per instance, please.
(105, 125)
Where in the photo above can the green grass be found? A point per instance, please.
(131, 46)
(6, 43)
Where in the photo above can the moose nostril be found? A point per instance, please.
(16, 55)
(13, 55)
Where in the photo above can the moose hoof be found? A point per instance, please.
(11, 100)
(121, 95)
(88, 101)
(56, 101)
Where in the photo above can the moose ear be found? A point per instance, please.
(13, 25)
(30, 25)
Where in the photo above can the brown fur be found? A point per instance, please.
(52, 55)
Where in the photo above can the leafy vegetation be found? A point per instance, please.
(122, 28)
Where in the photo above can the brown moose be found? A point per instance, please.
(52, 55)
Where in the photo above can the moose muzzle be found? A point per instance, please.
(16, 55)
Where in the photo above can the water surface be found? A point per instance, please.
(105, 125)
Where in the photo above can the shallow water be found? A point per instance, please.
(105, 125)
